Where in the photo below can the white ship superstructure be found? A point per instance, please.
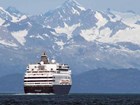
(47, 77)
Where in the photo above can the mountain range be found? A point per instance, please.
(83, 38)
(101, 47)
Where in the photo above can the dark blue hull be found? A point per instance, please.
(61, 89)
(55, 89)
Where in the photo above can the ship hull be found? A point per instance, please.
(55, 89)
(61, 89)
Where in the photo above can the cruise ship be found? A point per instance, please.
(47, 77)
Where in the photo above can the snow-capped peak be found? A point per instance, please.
(2, 9)
(4, 14)
(11, 14)
(73, 4)
(14, 11)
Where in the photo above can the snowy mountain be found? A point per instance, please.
(84, 38)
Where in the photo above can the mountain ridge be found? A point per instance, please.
(83, 38)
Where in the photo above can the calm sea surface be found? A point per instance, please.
(72, 99)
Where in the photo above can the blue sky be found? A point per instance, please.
(40, 6)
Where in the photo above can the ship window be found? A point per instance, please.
(58, 71)
(41, 67)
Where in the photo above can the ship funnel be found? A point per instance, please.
(44, 58)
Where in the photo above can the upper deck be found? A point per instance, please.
(46, 67)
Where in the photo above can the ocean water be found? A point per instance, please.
(72, 99)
